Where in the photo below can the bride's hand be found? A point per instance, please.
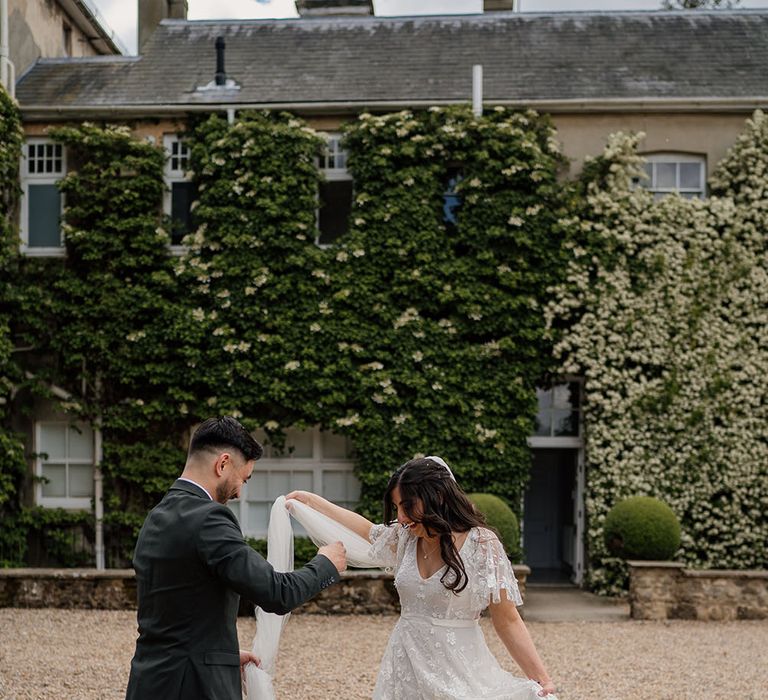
(304, 497)
(547, 689)
(246, 657)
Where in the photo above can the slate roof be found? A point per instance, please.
(349, 63)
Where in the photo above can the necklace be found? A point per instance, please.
(429, 553)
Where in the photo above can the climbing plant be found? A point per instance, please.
(663, 313)
(432, 326)
(411, 334)
(12, 464)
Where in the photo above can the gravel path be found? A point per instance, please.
(85, 655)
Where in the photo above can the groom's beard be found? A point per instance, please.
(224, 492)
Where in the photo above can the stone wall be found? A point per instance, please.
(360, 591)
(661, 590)
(114, 589)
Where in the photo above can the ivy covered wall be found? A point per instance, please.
(12, 463)
(411, 334)
(664, 315)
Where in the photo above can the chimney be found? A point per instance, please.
(221, 74)
(221, 82)
(334, 8)
(499, 5)
(152, 12)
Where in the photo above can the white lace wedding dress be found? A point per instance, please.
(437, 649)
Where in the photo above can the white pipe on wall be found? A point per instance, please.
(5, 69)
(477, 90)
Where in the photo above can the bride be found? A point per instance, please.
(448, 567)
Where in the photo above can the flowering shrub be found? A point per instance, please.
(432, 329)
(664, 314)
(12, 464)
(410, 335)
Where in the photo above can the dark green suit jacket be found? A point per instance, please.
(192, 565)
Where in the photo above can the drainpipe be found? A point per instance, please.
(7, 69)
(98, 495)
(477, 90)
(98, 486)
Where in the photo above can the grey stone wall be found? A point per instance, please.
(360, 591)
(667, 590)
(114, 589)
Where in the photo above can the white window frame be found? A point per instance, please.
(562, 440)
(172, 175)
(28, 179)
(677, 158)
(317, 464)
(67, 502)
(333, 150)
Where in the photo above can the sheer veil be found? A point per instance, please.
(269, 626)
(322, 530)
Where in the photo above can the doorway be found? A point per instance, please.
(550, 537)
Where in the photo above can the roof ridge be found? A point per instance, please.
(473, 16)
(116, 58)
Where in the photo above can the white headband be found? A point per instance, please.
(442, 463)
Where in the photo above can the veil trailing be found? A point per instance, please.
(269, 626)
(322, 530)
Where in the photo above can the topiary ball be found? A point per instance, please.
(501, 518)
(642, 527)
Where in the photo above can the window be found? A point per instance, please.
(43, 165)
(452, 198)
(312, 460)
(180, 190)
(335, 193)
(65, 463)
(558, 414)
(674, 172)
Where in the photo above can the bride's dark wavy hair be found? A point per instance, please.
(446, 509)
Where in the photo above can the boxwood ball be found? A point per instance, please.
(642, 527)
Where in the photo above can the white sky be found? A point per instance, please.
(121, 14)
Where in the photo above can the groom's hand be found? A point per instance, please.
(336, 553)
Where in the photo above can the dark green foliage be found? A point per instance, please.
(642, 527)
(432, 333)
(12, 462)
(411, 335)
(249, 270)
(408, 334)
(501, 518)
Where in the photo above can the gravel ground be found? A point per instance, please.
(85, 655)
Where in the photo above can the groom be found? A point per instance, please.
(192, 564)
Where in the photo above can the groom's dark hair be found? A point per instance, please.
(222, 433)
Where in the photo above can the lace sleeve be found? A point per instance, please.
(494, 572)
(384, 544)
